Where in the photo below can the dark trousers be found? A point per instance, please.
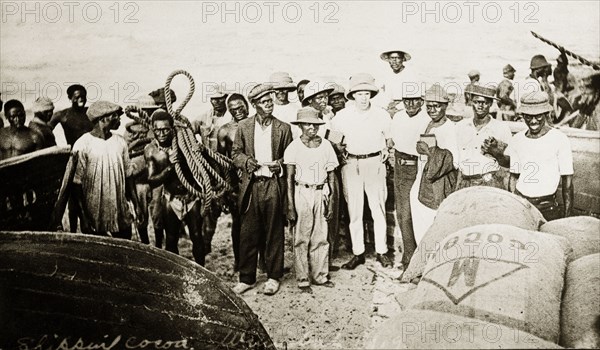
(173, 227)
(404, 178)
(235, 237)
(333, 225)
(547, 205)
(262, 226)
(209, 225)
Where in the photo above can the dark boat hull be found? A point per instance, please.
(74, 289)
(29, 189)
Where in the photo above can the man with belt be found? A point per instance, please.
(367, 133)
(407, 126)
(258, 151)
(540, 157)
(478, 167)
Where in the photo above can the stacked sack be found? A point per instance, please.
(489, 279)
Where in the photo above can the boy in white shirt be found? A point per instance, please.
(310, 161)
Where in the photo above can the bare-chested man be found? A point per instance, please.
(17, 139)
(75, 123)
(180, 204)
(238, 107)
(73, 120)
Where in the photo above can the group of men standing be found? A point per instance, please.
(311, 164)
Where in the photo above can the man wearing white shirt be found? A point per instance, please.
(258, 150)
(477, 167)
(366, 129)
(540, 157)
(398, 81)
(283, 109)
(407, 126)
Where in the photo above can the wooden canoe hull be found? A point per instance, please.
(29, 188)
(69, 289)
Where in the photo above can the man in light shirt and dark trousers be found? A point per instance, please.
(407, 127)
(258, 151)
(366, 129)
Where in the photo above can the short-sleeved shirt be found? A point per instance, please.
(406, 130)
(470, 159)
(365, 131)
(312, 164)
(396, 85)
(101, 170)
(541, 162)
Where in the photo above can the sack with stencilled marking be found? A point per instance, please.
(582, 231)
(468, 207)
(580, 316)
(424, 329)
(500, 274)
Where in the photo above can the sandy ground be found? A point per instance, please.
(335, 318)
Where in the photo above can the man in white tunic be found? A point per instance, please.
(398, 81)
(100, 175)
(367, 134)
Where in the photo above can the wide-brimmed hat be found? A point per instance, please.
(474, 73)
(508, 69)
(314, 88)
(436, 93)
(308, 115)
(146, 101)
(259, 91)
(479, 90)
(337, 90)
(416, 92)
(538, 61)
(282, 81)
(535, 103)
(42, 104)
(384, 56)
(362, 82)
(100, 109)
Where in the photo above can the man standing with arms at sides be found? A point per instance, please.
(74, 123)
(283, 109)
(407, 126)
(540, 157)
(238, 107)
(181, 206)
(101, 175)
(258, 151)
(17, 139)
(478, 167)
(43, 108)
(505, 92)
(367, 135)
(316, 95)
(309, 203)
(397, 81)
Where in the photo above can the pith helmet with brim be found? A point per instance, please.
(282, 81)
(308, 115)
(436, 93)
(535, 103)
(362, 82)
(314, 88)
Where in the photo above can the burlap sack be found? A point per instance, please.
(581, 304)
(500, 274)
(582, 231)
(423, 329)
(468, 207)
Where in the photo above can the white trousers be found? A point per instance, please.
(362, 176)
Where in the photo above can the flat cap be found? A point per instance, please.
(259, 91)
(100, 109)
